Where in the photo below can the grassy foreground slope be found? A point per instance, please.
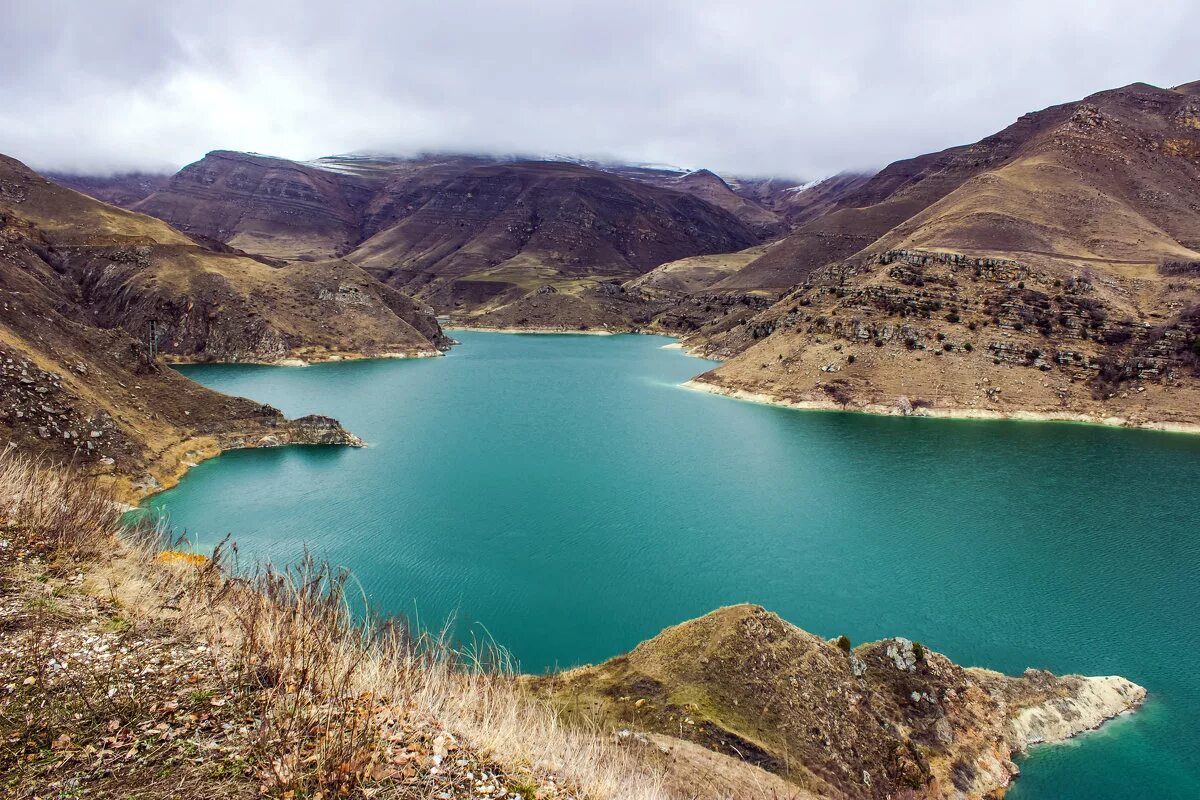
(126, 671)
(129, 669)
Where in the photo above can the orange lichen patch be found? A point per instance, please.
(1188, 148)
(180, 557)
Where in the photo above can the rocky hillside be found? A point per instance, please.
(1049, 270)
(466, 233)
(208, 301)
(885, 719)
(497, 232)
(865, 211)
(121, 189)
(80, 283)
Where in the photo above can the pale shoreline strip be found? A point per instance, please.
(533, 331)
(331, 357)
(880, 409)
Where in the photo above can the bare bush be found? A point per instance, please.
(57, 506)
(338, 695)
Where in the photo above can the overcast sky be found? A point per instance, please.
(786, 88)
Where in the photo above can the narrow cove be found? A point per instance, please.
(565, 497)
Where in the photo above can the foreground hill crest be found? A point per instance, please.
(884, 719)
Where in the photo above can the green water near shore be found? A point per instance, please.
(565, 495)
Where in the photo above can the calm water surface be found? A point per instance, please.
(565, 495)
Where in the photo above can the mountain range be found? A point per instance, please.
(1051, 269)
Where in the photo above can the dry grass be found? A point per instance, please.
(341, 703)
(56, 508)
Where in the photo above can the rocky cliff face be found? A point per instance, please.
(1058, 280)
(885, 719)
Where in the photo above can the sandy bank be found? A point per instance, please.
(943, 413)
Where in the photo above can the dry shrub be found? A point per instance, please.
(337, 693)
(56, 506)
(336, 688)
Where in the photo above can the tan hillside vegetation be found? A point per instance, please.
(1059, 278)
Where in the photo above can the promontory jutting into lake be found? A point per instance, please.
(564, 496)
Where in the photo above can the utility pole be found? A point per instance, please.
(152, 341)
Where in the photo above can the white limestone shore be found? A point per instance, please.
(1093, 703)
(895, 410)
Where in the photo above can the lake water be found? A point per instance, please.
(564, 495)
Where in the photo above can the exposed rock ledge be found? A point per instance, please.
(887, 719)
(173, 462)
(1093, 702)
(902, 407)
(312, 429)
(304, 359)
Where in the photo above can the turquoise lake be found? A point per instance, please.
(565, 495)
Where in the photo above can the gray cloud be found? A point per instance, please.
(789, 88)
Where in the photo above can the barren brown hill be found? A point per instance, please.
(466, 232)
(886, 719)
(122, 189)
(863, 214)
(208, 302)
(749, 199)
(269, 206)
(1063, 282)
(310, 210)
(804, 203)
(498, 232)
(714, 189)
